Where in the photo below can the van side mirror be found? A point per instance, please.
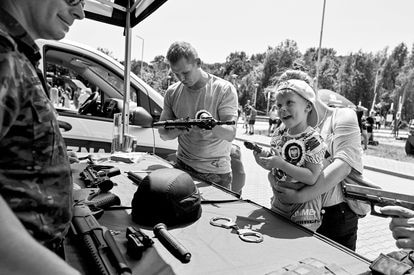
(140, 117)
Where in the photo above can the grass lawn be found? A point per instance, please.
(391, 149)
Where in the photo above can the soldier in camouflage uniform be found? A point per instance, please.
(35, 176)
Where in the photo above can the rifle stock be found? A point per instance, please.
(377, 197)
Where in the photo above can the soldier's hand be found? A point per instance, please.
(73, 158)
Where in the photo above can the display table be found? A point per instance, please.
(217, 250)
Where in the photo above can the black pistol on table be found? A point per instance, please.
(99, 176)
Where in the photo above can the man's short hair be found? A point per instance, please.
(180, 50)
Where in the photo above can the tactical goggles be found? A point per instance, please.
(75, 2)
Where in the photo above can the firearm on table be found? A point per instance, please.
(98, 242)
(203, 123)
(99, 176)
(377, 197)
(96, 200)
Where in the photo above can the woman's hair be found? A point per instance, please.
(181, 49)
(296, 74)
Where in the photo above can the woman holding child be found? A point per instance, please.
(339, 129)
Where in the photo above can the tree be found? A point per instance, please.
(237, 63)
(106, 51)
(278, 60)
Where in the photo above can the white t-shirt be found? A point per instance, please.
(343, 139)
(203, 151)
(273, 115)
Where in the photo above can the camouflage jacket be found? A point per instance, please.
(35, 176)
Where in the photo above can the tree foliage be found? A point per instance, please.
(361, 77)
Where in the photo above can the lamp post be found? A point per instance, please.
(256, 86)
(142, 55)
(319, 49)
(375, 90)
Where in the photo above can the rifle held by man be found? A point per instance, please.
(203, 123)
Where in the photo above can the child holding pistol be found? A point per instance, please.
(297, 151)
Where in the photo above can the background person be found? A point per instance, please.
(251, 119)
(344, 152)
(362, 127)
(204, 153)
(298, 151)
(35, 176)
(370, 121)
(274, 120)
(54, 95)
(246, 113)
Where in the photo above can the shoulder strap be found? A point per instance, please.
(6, 42)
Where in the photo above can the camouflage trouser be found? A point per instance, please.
(223, 180)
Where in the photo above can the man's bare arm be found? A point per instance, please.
(226, 132)
(21, 253)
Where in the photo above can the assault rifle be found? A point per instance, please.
(377, 197)
(98, 242)
(203, 123)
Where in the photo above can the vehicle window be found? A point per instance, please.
(77, 77)
(73, 79)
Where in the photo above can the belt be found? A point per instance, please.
(335, 208)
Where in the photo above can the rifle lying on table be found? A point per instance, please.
(98, 242)
(203, 123)
(377, 197)
(95, 199)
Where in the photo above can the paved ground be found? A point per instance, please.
(374, 236)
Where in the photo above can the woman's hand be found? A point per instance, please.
(401, 225)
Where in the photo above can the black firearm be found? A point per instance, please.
(96, 200)
(203, 123)
(137, 242)
(99, 176)
(255, 147)
(377, 197)
(98, 242)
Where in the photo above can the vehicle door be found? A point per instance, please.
(90, 91)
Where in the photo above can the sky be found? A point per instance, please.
(217, 28)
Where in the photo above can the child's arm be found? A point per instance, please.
(308, 174)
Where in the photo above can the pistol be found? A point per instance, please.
(99, 176)
(377, 197)
(256, 148)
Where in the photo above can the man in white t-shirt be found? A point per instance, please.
(203, 153)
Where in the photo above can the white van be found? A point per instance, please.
(91, 123)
